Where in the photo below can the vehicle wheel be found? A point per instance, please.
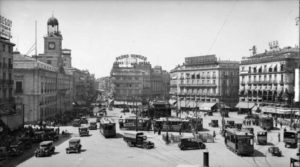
(67, 152)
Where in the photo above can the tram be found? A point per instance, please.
(239, 141)
(107, 127)
(262, 138)
(173, 124)
(290, 139)
(159, 109)
(266, 123)
(129, 123)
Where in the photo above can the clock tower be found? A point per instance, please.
(53, 43)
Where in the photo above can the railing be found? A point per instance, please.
(197, 85)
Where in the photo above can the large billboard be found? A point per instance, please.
(5, 27)
(297, 85)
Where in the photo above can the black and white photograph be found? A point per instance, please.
(148, 83)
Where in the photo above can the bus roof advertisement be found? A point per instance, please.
(5, 27)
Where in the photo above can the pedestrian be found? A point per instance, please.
(180, 130)
(214, 134)
(280, 125)
(159, 131)
(278, 136)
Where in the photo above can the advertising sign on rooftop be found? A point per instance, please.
(5, 27)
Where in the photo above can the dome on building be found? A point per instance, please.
(52, 21)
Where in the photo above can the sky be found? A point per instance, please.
(164, 31)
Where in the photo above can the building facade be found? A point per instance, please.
(133, 79)
(11, 113)
(267, 80)
(203, 81)
(43, 82)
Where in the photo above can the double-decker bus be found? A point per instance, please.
(173, 124)
(159, 109)
(266, 123)
(129, 123)
(107, 127)
(239, 141)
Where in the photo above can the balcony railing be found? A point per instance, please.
(198, 85)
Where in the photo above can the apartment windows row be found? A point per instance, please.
(264, 77)
(6, 48)
(198, 81)
(48, 100)
(129, 78)
(127, 92)
(265, 68)
(128, 85)
(198, 91)
(6, 93)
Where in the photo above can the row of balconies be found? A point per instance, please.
(198, 94)
(285, 70)
(198, 85)
(265, 82)
(200, 77)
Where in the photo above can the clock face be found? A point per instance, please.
(51, 45)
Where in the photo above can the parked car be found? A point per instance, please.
(76, 123)
(93, 126)
(214, 123)
(83, 120)
(45, 148)
(83, 131)
(275, 151)
(15, 149)
(74, 146)
(3, 153)
(191, 143)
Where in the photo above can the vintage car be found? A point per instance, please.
(38, 136)
(51, 134)
(137, 139)
(93, 126)
(76, 123)
(238, 126)
(191, 143)
(83, 120)
(275, 151)
(230, 123)
(214, 123)
(74, 146)
(83, 131)
(45, 148)
(15, 149)
(3, 153)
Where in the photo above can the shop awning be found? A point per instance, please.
(206, 106)
(245, 105)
